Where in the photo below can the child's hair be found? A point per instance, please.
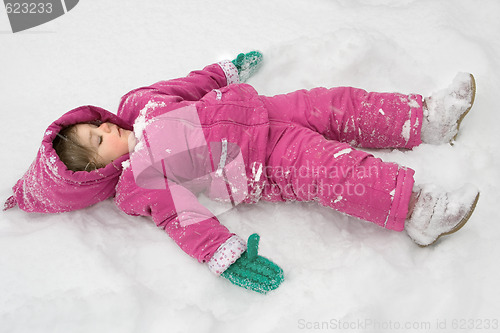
(75, 156)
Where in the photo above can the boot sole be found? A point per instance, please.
(460, 224)
(470, 107)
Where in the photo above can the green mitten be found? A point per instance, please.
(247, 64)
(254, 272)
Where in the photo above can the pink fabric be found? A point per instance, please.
(49, 187)
(233, 113)
(297, 132)
(311, 154)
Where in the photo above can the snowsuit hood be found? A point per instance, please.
(49, 187)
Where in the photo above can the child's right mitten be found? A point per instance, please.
(247, 64)
(254, 272)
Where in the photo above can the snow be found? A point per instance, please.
(445, 107)
(342, 152)
(140, 122)
(98, 270)
(405, 132)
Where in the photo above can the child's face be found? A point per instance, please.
(108, 140)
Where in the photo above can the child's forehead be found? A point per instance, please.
(87, 125)
(83, 126)
(82, 131)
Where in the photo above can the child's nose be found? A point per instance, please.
(105, 127)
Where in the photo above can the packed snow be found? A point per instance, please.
(99, 270)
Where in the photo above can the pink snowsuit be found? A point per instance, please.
(297, 146)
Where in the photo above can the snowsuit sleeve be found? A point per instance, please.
(178, 92)
(198, 233)
(192, 226)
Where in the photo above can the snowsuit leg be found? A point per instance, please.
(309, 157)
(360, 118)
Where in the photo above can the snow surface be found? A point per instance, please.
(98, 270)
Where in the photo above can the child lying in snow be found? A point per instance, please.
(208, 133)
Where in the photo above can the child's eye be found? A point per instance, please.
(100, 140)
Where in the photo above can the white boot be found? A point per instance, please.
(445, 110)
(438, 213)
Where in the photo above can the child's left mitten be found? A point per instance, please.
(254, 272)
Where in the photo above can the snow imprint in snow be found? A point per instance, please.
(118, 255)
